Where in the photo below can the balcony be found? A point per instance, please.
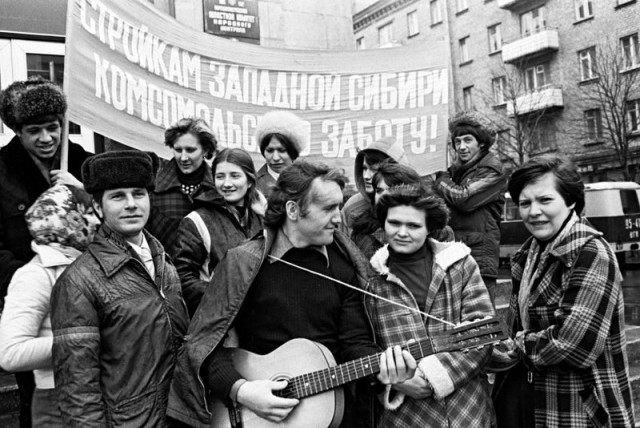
(547, 97)
(532, 45)
(511, 4)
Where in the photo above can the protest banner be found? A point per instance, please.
(131, 71)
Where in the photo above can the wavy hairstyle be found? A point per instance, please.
(419, 197)
(294, 184)
(568, 181)
(196, 127)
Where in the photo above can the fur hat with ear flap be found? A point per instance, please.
(23, 100)
(283, 123)
(118, 169)
(474, 123)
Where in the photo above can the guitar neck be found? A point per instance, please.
(333, 377)
(468, 336)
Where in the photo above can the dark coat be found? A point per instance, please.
(21, 183)
(576, 345)
(476, 200)
(169, 205)
(264, 181)
(191, 256)
(233, 277)
(117, 332)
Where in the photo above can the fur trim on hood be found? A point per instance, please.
(445, 254)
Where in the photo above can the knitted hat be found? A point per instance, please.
(62, 215)
(23, 100)
(117, 169)
(484, 130)
(284, 123)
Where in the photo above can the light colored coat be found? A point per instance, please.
(25, 328)
(456, 294)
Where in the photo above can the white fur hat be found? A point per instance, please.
(285, 123)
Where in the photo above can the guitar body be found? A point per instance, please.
(295, 358)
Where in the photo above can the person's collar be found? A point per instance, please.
(144, 245)
(282, 245)
(272, 173)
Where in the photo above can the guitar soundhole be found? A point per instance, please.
(288, 391)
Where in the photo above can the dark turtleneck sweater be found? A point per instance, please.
(414, 270)
(189, 183)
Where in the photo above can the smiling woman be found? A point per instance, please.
(184, 180)
(205, 235)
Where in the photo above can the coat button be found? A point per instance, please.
(22, 207)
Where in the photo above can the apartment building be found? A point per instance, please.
(553, 75)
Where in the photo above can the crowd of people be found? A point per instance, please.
(202, 292)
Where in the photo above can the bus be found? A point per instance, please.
(612, 207)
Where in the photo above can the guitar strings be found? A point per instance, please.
(363, 291)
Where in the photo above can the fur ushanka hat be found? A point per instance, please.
(477, 124)
(23, 100)
(284, 123)
(118, 169)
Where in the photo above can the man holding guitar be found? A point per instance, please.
(277, 287)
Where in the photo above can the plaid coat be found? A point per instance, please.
(576, 346)
(456, 294)
(169, 205)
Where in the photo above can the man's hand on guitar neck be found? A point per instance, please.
(258, 397)
(396, 366)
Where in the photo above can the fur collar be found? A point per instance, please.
(445, 254)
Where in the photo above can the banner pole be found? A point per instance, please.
(64, 146)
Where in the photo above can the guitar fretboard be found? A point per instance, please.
(333, 377)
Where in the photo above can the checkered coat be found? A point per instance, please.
(576, 345)
(169, 205)
(456, 294)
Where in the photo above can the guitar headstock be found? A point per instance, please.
(469, 336)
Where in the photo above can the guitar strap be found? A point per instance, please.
(235, 416)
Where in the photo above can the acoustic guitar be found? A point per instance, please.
(315, 379)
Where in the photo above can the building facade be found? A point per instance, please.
(553, 75)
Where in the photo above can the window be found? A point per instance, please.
(543, 137)
(633, 116)
(413, 27)
(461, 5)
(495, 38)
(436, 14)
(584, 9)
(533, 21)
(464, 49)
(385, 36)
(511, 210)
(593, 124)
(535, 77)
(467, 98)
(499, 85)
(50, 67)
(587, 58)
(630, 50)
(629, 199)
(360, 43)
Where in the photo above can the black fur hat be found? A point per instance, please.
(117, 169)
(23, 100)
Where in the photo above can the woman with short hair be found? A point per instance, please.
(422, 274)
(184, 181)
(205, 235)
(566, 316)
